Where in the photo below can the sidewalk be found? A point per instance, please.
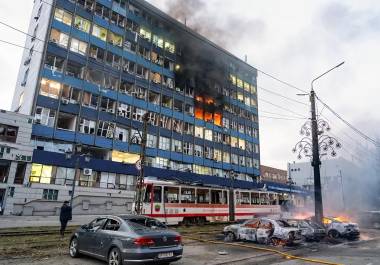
(11, 221)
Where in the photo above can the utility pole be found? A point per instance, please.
(341, 182)
(231, 201)
(140, 179)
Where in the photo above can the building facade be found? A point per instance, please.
(273, 174)
(93, 68)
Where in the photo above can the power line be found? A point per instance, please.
(16, 45)
(279, 118)
(350, 125)
(281, 81)
(18, 30)
(278, 94)
(280, 107)
(279, 114)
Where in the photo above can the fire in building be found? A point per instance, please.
(94, 68)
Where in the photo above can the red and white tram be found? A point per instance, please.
(175, 203)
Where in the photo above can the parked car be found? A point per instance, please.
(310, 231)
(335, 228)
(264, 230)
(369, 219)
(127, 239)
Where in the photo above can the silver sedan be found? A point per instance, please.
(127, 239)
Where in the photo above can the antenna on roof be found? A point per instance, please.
(245, 58)
(185, 22)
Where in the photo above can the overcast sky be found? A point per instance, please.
(293, 40)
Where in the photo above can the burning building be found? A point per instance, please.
(92, 69)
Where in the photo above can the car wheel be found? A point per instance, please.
(114, 257)
(73, 248)
(333, 234)
(230, 237)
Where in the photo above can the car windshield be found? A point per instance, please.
(314, 225)
(147, 222)
(282, 223)
(136, 227)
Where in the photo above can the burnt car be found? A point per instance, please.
(127, 239)
(370, 219)
(263, 230)
(310, 231)
(339, 227)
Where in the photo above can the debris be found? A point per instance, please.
(222, 252)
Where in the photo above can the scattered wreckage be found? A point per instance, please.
(264, 230)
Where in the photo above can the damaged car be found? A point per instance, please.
(338, 227)
(310, 231)
(264, 230)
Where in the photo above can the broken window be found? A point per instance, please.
(115, 39)
(126, 87)
(189, 109)
(142, 72)
(155, 77)
(187, 148)
(111, 81)
(234, 142)
(169, 82)
(248, 162)
(253, 102)
(242, 144)
(177, 126)
(95, 76)
(106, 129)
(208, 152)
(165, 122)
(170, 47)
(130, 46)
(144, 52)
(248, 130)
(156, 58)
(208, 134)
(87, 126)
(135, 137)
(145, 34)
(242, 161)
(132, 26)
(154, 98)
(226, 139)
(167, 101)
(50, 88)
(253, 89)
(117, 19)
(226, 157)
(71, 94)
(154, 118)
(102, 11)
(75, 69)
(188, 128)
(138, 92)
(124, 110)
(198, 131)
(234, 159)
(90, 100)
(239, 83)
(63, 16)
(198, 150)
(169, 64)
(176, 146)
(54, 62)
(87, 4)
(218, 137)
(66, 121)
(241, 128)
(248, 147)
(178, 105)
(129, 66)
(158, 41)
(99, 32)
(82, 24)
(121, 134)
(113, 60)
(45, 116)
(97, 53)
(107, 104)
(234, 125)
(138, 114)
(59, 38)
(217, 155)
(164, 143)
(247, 100)
(151, 141)
(189, 92)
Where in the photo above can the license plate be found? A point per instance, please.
(165, 255)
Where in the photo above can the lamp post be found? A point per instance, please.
(231, 201)
(316, 162)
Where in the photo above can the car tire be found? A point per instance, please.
(114, 257)
(73, 248)
(230, 237)
(333, 234)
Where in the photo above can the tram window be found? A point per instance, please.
(272, 199)
(187, 195)
(171, 194)
(264, 198)
(224, 199)
(157, 194)
(203, 196)
(237, 197)
(255, 198)
(216, 196)
(245, 198)
(147, 193)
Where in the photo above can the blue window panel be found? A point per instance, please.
(189, 119)
(234, 133)
(64, 135)
(116, 29)
(77, 58)
(218, 129)
(139, 103)
(142, 82)
(208, 162)
(143, 62)
(166, 111)
(209, 125)
(47, 102)
(109, 94)
(107, 3)
(176, 156)
(199, 123)
(178, 115)
(131, 36)
(103, 142)
(125, 98)
(105, 116)
(218, 164)
(164, 154)
(61, 26)
(256, 172)
(56, 49)
(170, 56)
(118, 9)
(115, 49)
(144, 42)
(41, 130)
(227, 166)
(48, 73)
(226, 148)
(72, 81)
(255, 140)
(66, 4)
(188, 138)
(151, 152)
(156, 68)
(83, 13)
(129, 55)
(235, 168)
(256, 156)
(85, 138)
(241, 135)
(70, 108)
(242, 169)
(136, 124)
(168, 73)
(119, 145)
(123, 121)
(128, 77)
(152, 130)
(198, 141)
(254, 110)
(189, 100)
(250, 170)
(177, 136)
(178, 96)
(218, 145)
(89, 113)
(167, 92)
(90, 87)
(98, 42)
(101, 22)
(198, 160)
(165, 132)
(155, 88)
(153, 107)
(81, 35)
(188, 159)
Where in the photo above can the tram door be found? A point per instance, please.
(153, 200)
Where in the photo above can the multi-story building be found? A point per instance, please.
(273, 174)
(95, 67)
(15, 158)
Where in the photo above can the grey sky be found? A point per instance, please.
(294, 40)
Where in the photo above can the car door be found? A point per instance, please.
(248, 230)
(86, 239)
(264, 231)
(104, 236)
